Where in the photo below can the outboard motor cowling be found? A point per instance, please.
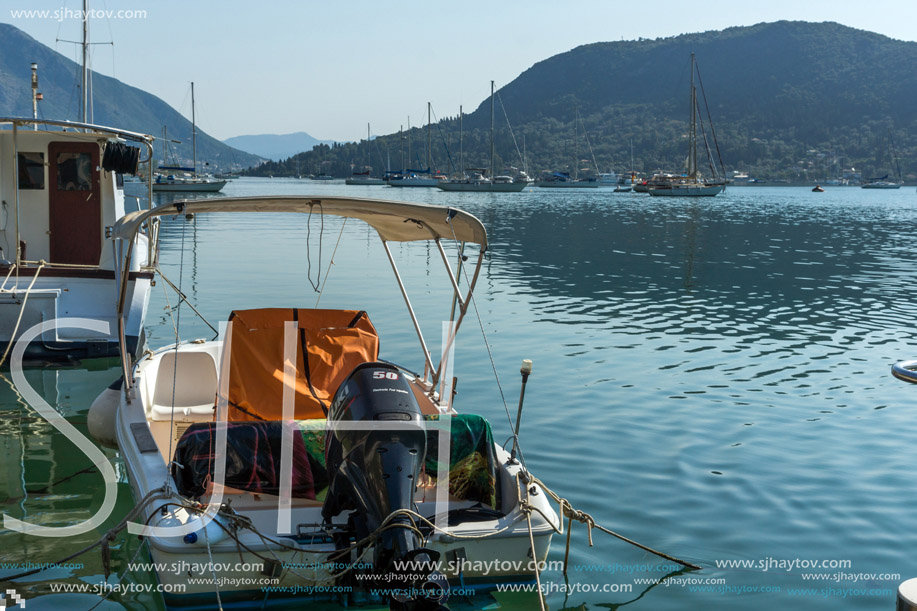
(375, 448)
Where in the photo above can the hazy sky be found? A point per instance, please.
(328, 67)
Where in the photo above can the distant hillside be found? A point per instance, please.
(792, 100)
(114, 103)
(275, 146)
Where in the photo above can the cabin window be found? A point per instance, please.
(74, 172)
(31, 170)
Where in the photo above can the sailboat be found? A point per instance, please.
(419, 178)
(691, 184)
(883, 182)
(364, 178)
(563, 180)
(479, 181)
(181, 179)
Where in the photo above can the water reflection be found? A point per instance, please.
(711, 377)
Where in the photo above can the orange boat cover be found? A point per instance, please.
(330, 343)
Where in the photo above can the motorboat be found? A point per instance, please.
(176, 179)
(563, 180)
(818, 189)
(289, 452)
(881, 183)
(608, 179)
(478, 181)
(415, 178)
(364, 178)
(57, 258)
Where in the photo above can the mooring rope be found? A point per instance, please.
(567, 510)
(152, 495)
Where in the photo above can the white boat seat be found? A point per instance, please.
(195, 386)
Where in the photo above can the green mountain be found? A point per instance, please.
(114, 103)
(792, 100)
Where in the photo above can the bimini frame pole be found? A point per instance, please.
(16, 187)
(428, 364)
(123, 279)
(463, 308)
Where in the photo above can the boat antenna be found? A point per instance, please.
(526, 371)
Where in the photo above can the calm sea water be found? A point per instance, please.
(711, 379)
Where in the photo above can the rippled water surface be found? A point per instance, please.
(711, 378)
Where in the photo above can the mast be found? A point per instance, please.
(193, 132)
(368, 157)
(35, 94)
(575, 148)
(84, 78)
(429, 141)
(401, 137)
(461, 140)
(692, 155)
(492, 173)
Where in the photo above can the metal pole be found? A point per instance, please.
(462, 140)
(16, 186)
(455, 287)
(423, 344)
(84, 78)
(193, 131)
(575, 143)
(492, 174)
(525, 370)
(35, 94)
(692, 158)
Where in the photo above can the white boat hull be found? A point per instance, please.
(573, 184)
(690, 190)
(143, 442)
(54, 297)
(364, 181)
(482, 187)
(414, 182)
(189, 187)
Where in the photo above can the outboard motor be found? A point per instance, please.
(375, 447)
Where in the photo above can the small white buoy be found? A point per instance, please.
(101, 417)
(907, 596)
(214, 534)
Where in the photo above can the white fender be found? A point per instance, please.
(101, 418)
